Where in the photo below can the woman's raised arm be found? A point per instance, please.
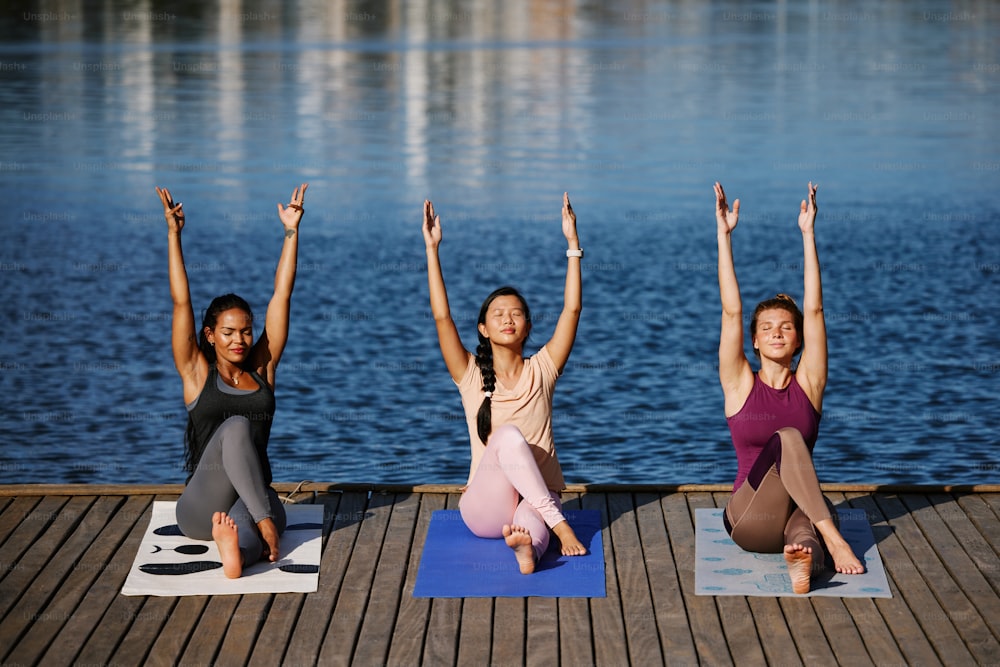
(456, 357)
(191, 364)
(268, 349)
(811, 372)
(561, 343)
(735, 373)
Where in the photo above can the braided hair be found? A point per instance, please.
(484, 360)
(219, 305)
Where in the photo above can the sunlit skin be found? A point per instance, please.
(777, 341)
(776, 337)
(507, 328)
(236, 351)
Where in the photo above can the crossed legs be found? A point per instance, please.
(507, 498)
(226, 500)
(781, 509)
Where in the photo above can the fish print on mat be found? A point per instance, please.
(174, 569)
(186, 549)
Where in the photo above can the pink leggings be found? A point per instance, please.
(780, 501)
(506, 474)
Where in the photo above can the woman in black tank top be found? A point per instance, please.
(228, 383)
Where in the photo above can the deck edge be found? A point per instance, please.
(12, 490)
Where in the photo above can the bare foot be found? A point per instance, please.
(519, 539)
(269, 533)
(844, 560)
(226, 538)
(799, 560)
(571, 546)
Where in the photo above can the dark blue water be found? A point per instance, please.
(493, 113)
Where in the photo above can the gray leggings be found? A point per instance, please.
(229, 479)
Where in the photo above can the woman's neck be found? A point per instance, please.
(774, 374)
(508, 363)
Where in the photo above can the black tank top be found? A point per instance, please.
(215, 406)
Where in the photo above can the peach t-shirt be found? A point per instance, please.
(527, 406)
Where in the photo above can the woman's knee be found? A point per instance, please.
(237, 425)
(236, 432)
(507, 435)
(792, 437)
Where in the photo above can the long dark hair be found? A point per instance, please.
(219, 305)
(484, 359)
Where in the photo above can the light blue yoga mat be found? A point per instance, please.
(457, 564)
(723, 568)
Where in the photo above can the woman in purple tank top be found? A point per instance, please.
(777, 505)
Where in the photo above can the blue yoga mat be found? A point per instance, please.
(457, 564)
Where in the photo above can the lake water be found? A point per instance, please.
(492, 113)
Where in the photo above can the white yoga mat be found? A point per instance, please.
(723, 568)
(170, 564)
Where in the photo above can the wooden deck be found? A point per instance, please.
(65, 552)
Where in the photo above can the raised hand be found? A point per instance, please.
(568, 219)
(432, 226)
(291, 215)
(807, 212)
(725, 219)
(173, 213)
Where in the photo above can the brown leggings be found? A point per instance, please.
(780, 502)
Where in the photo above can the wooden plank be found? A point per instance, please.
(13, 515)
(734, 611)
(938, 550)
(345, 623)
(46, 563)
(935, 521)
(444, 618)
(280, 622)
(474, 625)
(415, 614)
(575, 633)
(643, 643)
(665, 588)
(985, 521)
(838, 625)
(706, 628)
(608, 626)
(909, 637)
(244, 626)
(509, 639)
(912, 587)
(542, 644)
(383, 608)
(775, 638)
(983, 555)
(169, 644)
(19, 570)
(476, 632)
(993, 501)
(146, 621)
(92, 586)
(205, 637)
(307, 638)
(98, 639)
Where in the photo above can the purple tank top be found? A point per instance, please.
(765, 411)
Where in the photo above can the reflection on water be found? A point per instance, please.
(493, 112)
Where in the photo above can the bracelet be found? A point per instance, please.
(575, 253)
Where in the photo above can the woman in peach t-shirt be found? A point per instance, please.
(515, 479)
